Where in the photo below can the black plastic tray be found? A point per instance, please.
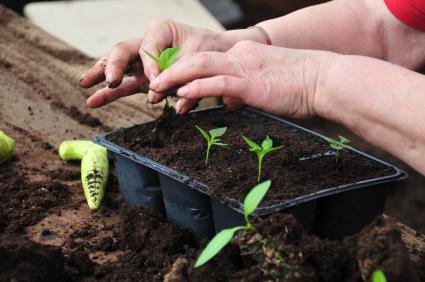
(332, 212)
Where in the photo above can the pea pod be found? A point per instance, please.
(94, 168)
(7, 145)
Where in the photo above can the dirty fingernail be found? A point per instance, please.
(178, 106)
(108, 78)
(82, 77)
(113, 84)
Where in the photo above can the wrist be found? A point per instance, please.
(327, 75)
(232, 37)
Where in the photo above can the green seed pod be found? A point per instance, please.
(74, 150)
(94, 167)
(94, 175)
(7, 145)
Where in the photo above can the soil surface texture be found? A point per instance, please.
(47, 232)
(305, 165)
(279, 250)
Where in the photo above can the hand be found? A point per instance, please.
(277, 80)
(128, 58)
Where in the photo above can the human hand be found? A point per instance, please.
(277, 80)
(128, 58)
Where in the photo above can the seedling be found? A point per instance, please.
(251, 202)
(379, 276)
(212, 138)
(266, 147)
(166, 58)
(338, 146)
(94, 168)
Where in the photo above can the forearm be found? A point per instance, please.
(379, 101)
(361, 27)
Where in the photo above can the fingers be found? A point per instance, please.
(129, 86)
(184, 105)
(112, 66)
(95, 74)
(232, 104)
(198, 65)
(122, 55)
(222, 85)
(158, 36)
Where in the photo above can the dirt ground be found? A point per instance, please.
(42, 208)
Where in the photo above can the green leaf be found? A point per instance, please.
(343, 140)
(252, 144)
(254, 197)
(218, 132)
(168, 57)
(267, 144)
(204, 133)
(152, 56)
(335, 146)
(274, 149)
(378, 276)
(220, 144)
(216, 244)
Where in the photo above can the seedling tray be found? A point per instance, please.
(332, 212)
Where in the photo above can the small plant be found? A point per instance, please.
(251, 202)
(266, 147)
(379, 276)
(166, 58)
(212, 138)
(338, 146)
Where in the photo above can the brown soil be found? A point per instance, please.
(279, 250)
(232, 171)
(47, 233)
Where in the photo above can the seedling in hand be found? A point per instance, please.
(212, 138)
(266, 147)
(166, 58)
(251, 202)
(378, 276)
(338, 146)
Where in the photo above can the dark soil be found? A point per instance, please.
(24, 203)
(232, 171)
(24, 260)
(281, 251)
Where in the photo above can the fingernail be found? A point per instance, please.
(153, 76)
(82, 77)
(154, 83)
(113, 84)
(183, 91)
(108, 78)
(178, 106)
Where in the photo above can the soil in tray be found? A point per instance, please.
(299, 169)
(281, 251)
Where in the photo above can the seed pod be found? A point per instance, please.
(74, 150)
(94, 175)
(7, 145)
(94, 168)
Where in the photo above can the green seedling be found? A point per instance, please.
(212, 138)
(266, 147)
(166, 58)
(251, 202)
(339, 146)
(94, 168)
(7, 145)
(379, 276)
